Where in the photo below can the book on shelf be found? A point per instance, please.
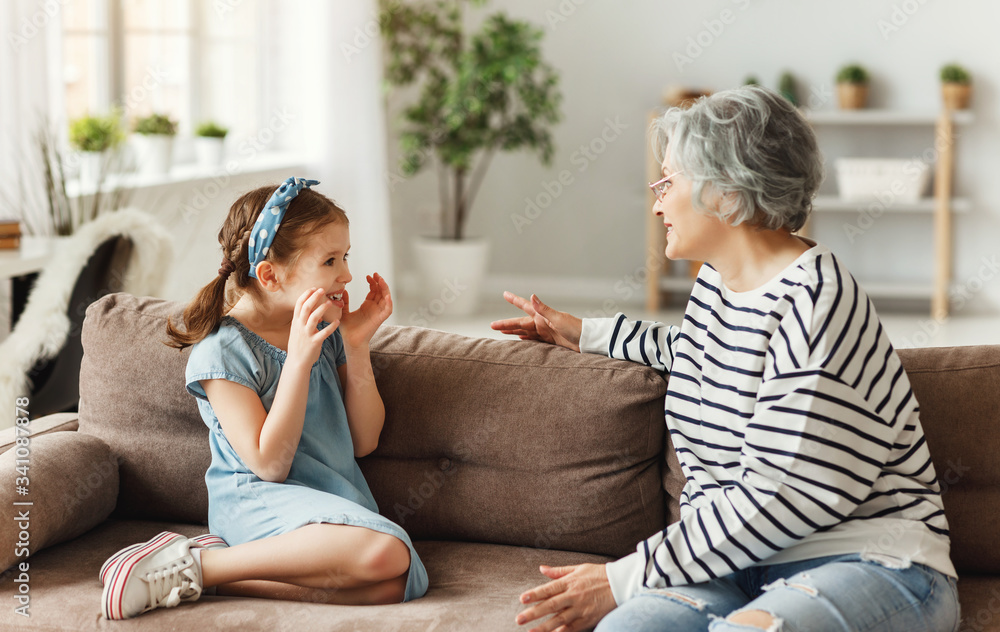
(10, 234)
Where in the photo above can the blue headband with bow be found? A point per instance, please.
(270, 219)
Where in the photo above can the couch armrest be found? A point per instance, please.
(71, 480)
(56, 422)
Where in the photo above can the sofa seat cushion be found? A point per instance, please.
(473, 587)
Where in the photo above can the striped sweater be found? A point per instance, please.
(794, 424)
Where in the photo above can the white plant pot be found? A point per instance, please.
(452, 274)
(153, 153)
(209, 151)
(91, 164)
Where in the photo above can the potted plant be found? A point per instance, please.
(477, 93)
(209, 144)
(788, 88)
(956, 87)
(153, 141)
(93, 137)
(852, 87)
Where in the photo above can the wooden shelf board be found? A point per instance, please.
(883, 117)
(833, 203)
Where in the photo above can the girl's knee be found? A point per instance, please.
(385, 557)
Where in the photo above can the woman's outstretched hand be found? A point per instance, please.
(577, 597)
(358, 327)
(541, 323)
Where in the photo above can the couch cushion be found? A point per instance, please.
(517, 442)
(132, 396)
(472, 587)
(72, 480)
(958, 389)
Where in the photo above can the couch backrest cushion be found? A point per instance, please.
(492, 441)
(517, 443)
(132, 396)
(958, 389)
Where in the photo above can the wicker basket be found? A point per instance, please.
(867, 178)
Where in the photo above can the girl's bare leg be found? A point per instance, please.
(389, 591)
(329, 557)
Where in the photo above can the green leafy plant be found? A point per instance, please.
(751, 80)
(155, 124)
(788, 88)
(478, 93)
(953, 73)
(96, 133)
(852, 73)
(210, 129)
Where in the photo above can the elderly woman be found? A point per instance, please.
(811, 502)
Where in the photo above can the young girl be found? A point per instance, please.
(282, 374)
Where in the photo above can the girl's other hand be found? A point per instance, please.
(358, 327)
(541, 323)
(304, 340)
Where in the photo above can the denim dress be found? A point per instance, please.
(324, 484)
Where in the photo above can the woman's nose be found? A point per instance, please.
(658, 207)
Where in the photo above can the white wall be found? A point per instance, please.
(615, 60)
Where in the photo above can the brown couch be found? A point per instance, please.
(496, 456)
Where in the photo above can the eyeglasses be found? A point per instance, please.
(660, 187)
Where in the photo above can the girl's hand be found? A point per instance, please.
(358, 327)
(304, 340)
(578, 597)
(541, 323)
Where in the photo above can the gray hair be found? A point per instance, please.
(750, 145)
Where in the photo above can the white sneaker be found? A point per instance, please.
(207, 541)
(159, 574)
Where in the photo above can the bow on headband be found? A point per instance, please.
(270, 219)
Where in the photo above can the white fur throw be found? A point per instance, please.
(44, 324)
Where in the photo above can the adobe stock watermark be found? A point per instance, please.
(884, 199)
(563, 12)
(152, 79)
(368, 32)
(958, 296)
(582, 158)
(33, 25)
(225, 7)
(248, 149)
(451, 291)
(701, 41)
(898, 17)
(887, 197)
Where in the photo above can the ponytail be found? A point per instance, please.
(201, 316)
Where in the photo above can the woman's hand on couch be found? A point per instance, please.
(541, 323)
(577, 597)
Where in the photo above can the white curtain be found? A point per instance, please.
(326, 73)
(30, 95)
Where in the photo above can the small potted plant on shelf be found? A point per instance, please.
(476, 94)
(209, 144)
(852, 87)
(956, 87)
(153, 141)
(94, 137)
(788, 88)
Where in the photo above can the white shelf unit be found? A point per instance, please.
(941, 205)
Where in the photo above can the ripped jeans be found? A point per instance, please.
(840, 592)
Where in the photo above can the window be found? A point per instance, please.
(193, 60)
